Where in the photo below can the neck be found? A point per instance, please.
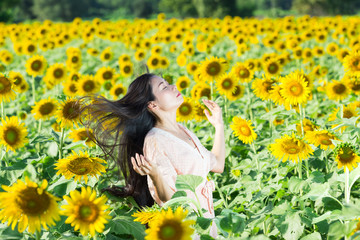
(168, 121)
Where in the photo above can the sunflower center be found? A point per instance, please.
(185, 109)
(170, 230)
(89, 86)
(273, 68)
(11, 135)
(213, 69)
(119, 91)
(154, 62)
(107, 56)
(346, 155)
(183, 84)
(245, 130)
(107, 75)
(267, 85)
(32, 203)
(291, 147)
(5, 85)
(324, 139)
(74, 59)
(227, 84)
(236, 92)
(31, 48)
(75, 78)
(80, 166)
(36, 65)
(244, 73)
(58, 73)
(355, 86)
(88, 213)
(17, 81)
(46, 108)
(127, 69)
(339, 88)
(205, 92)
(347, 114)
(73, 88)
(356, 63)
(296, 89)
(71, 110)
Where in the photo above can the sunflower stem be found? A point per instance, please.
(212, 90)
(37, 235)
(221, 195)
(300, 169)
(249, 103)
(256, 159)
(347, 190)
(198, 206)
(39, 128)
(61, 142)
(271, 120)
(2, 111)
(33, 88)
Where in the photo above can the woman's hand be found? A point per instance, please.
(142, 166)
(216, 114)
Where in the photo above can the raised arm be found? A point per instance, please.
(143, 167)
(218, 148)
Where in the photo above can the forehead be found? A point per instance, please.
(156, 80)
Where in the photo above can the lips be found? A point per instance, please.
(178, 95)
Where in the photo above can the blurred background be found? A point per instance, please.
(66, 10)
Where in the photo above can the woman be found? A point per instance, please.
(152, 146)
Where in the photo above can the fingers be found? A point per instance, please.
(140, 164)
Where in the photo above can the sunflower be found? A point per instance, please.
(243, 130)
(275, 94)
(278, 121)
(308, 126)
(164, 62)
(44, 109)
(349, 111)
(68, 113)
(56, 73)
(29, 205)
(73, 61)
(6, 57)
(186, 110)
(6, 92)
(346, 156)
(237, 93)
(181, 60)
(140, 54)
(226, 84)
(117, 89)
(272, 66)
(242, 72)
(154, 61)
(332, 48)
(170, 225)
(86, 212)
(322, 138)
(126, 69)
(124, 58)
(69, 88)
(191, 67)
(213, 68)
(105, 74)
(290, 147)
(201, 89)
(87, 85)
(29, 48)
(80, 165)
(352, 63)
(23, 87)
(182, 82)
(17, 79)
(12, 133)
(352, 83)
(106, 55)
(81, 135)
(36, 65)
(337, 90)
(263, 86)
(199, 112)
(146, 215)
(294, 89)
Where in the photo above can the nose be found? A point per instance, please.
(174, 87)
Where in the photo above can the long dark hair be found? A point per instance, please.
(119, 129)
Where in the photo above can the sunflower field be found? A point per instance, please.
(289, 90)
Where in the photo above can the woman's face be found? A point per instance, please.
(167, 97)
